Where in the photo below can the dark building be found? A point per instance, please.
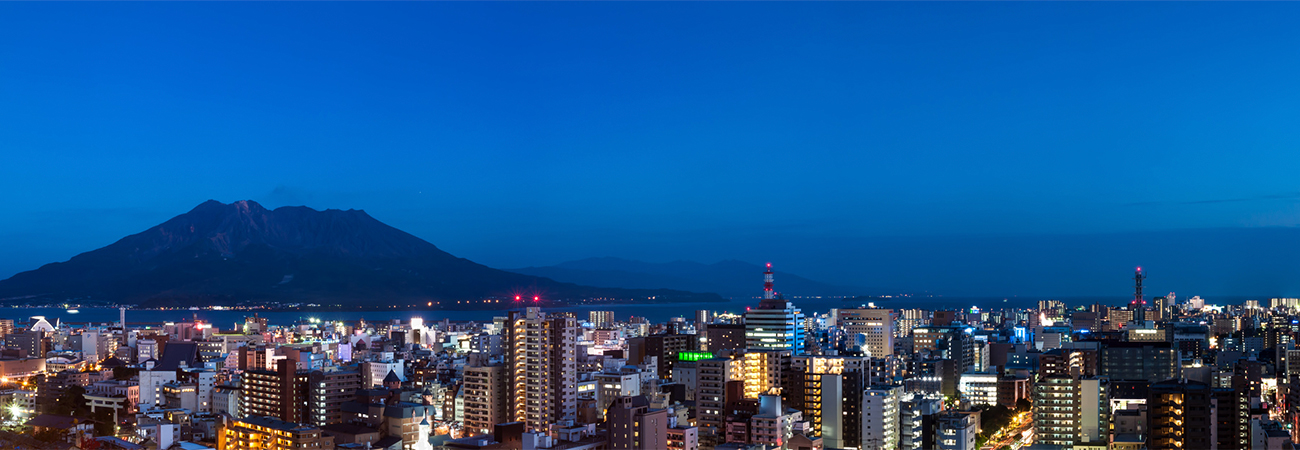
(1150, 361)
(1180, 415)
(664, 347)
(632, 425)
(1232, 416)
(32, 344)
(327, 391)
(724, 336)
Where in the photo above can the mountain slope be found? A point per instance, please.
(728, 278)
(241, 252)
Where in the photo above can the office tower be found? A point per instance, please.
(826, 390)
(601, 319)
(762, 371)
(487, 401)
(279, 393)
(266, 433)
(947, 342)
(775, 324)
(632, 425)
(876, 324)
(1180, 415)
(711, 380)
(1054, 410)
(880, 420)
(957, 430)
(327, 391)
(542, 363)
(1130, 361)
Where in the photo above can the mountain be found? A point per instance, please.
(243, 253)
(729, 278)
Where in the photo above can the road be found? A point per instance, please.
(1014, 433)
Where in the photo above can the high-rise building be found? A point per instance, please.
(711, 380)
(542, 361)
(775, 324)
(826, 390)
(909, 319)
(327, 391)
(601, 319)
(762, 371)
(1232, 416)
(487, 400)
(880, 420)
(1055, 400)
(723, 336)
(1180, 415)
(280, 393)
(663, 347)
(876, 324)
(1130, 361)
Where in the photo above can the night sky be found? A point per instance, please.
(959, 148)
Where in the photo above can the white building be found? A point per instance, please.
(979, 388)
(957, 430)
(880, 417)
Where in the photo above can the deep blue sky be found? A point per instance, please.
(831, 138)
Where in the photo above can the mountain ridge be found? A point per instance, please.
(220, 253)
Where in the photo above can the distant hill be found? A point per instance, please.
(243, 253)
(727, 278)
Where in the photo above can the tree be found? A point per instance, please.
(1023, 405)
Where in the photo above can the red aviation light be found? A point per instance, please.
(517, 298)
(537, 298)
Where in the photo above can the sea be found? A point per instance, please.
(655, 313)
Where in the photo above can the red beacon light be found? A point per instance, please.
(517, 298)
(537, 298)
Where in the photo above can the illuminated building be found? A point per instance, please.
(957, 430)
(1180, 415)
(880, 421)
(281, 393)
(979, 389)
(826, 390)
(762, 371)
(486, 398)
(1054, 410)
(265, 433)
(876, 324)
(542, 364)
(327, 391)
(909, 319)
(775, 324)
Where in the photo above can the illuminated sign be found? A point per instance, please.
(694, 356)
